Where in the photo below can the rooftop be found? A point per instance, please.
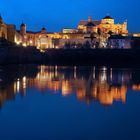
(107, 17)
(85, 22)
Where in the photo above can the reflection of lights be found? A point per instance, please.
(53, 85)
(63, 76)
(56, 71)
(18, 85)
(104, 68)
(38, 76)
(66, 89)
(100, 91)
(81, 93)
(136, 87)
(24, 82)
(75, 75)
(106, 95)
(103, 76)
(122, 79)
(15, 88)
(111, 74)
(94, 75)
(24, 79)
(94, 92)
(42, 68)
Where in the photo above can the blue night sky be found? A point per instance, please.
(56, 14)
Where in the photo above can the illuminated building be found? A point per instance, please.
(116, 41)
(80, 35)
(3, 28)
(106, 25)
(91, 31)
(135, 34)
(7, 31)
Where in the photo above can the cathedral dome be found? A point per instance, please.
(43, 30)
(107, 17)
(22, 25)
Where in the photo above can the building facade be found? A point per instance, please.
(119, 42)
(3, 29)
(7, 31)
(95, 32)
(105, 25)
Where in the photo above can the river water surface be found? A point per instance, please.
(66, 103)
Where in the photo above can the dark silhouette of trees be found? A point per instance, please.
(136, 43)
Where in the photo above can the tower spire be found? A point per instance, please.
(89, 19)
(0, 17)
(1, 20)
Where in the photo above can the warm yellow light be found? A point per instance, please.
(56, 47)
(17, 42)
(31, 42)
(24, 44)
(42, 51)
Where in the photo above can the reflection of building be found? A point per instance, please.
(85, 89)
(136, 87)
(88, 84)
(106, 95)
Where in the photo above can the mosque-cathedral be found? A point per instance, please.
(81, 34)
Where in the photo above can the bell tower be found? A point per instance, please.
(89, 19)
(3, 28)
(23, 29)
(1, 20)
(124, 29)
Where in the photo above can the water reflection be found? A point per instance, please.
(89, 84)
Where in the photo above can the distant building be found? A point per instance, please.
(120, 42)
(66, 30)
(96, 32)
(134, 34)
(106, 25)
(45, 40)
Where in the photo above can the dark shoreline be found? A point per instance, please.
(93, 56)
(78, 57)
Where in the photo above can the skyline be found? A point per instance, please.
(55, 20)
